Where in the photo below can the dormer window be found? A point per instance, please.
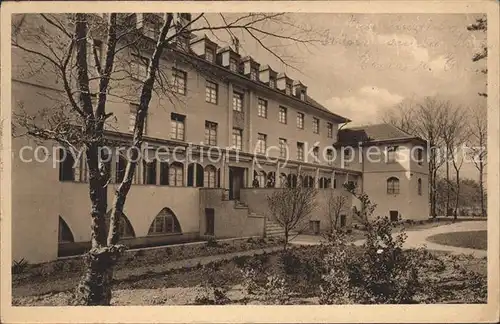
(288, 89)
(272, 83)
(209, 54)
(254, 74)
(303, 95)
(233, 65)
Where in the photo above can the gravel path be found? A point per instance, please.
(418, 238)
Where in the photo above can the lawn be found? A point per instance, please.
(471, 239)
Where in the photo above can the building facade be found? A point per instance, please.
(229, 131)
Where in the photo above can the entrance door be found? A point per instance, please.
(209, 221)
(394, 215)
(236, 182)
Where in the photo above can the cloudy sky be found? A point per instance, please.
(370, 62)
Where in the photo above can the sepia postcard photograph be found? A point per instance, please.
(269, 161)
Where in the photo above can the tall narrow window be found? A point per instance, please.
(392, 186)
(233, 65)
(419, 187)
(149, 172)
(209, 54)
(133, 119)
(180, 78)
(303, 95)
(315, 125)
(177, 127)
(210, 176)
(176, 174)
(261, 143)
(262, 108)
(420, 156)
(300, 120)
(392, 154)
(237, 136)
(283, 148)
(288, 89)
(329, 130)
(237, 101)
(210, 133)
(329, 156)
(66, 171)
(282, 115)
(163, 173)
(316, 154)
(211, 92)
(300, 151)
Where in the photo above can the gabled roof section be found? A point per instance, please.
(374, 133)
(319, 106)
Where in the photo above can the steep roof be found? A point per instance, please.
(374, 133)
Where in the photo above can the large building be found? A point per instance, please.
(239, 131)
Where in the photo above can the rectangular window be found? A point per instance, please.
(316, 154)
(262, 108)
(66, 171)
(300, 120)
(149, 172)
(211, 92)
(237, 136)
(303, 95)
(420, 156)
(346, 157)
(180, 80)
(132, 119)
(254, 74)
(300, 151)
(329, 156)
(315, 125)
(272, 82)
(283, 148)
(392, 154)
(288, 89)
(261, 143)
(329, 129)
(138, 67)
(209, 55)
(233, 65)
(176, 175)
(237, 101)
(177, 126)
(210, 133)
(282, 115)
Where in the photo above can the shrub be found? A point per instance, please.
(19, 266)
(212, 242)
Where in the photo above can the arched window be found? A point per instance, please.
(210, 176)
(65, 235)
(176, 174)
(124, 226)
(163, 173)
(66, 171)
(419, 186)
(165, 223)
(392, 186)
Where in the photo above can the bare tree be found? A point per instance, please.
(335, 206)
(291, 207)
(454, 134)
(478, 129)
(65, 46)
(425, 119)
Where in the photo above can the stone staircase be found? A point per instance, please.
(274, 229)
